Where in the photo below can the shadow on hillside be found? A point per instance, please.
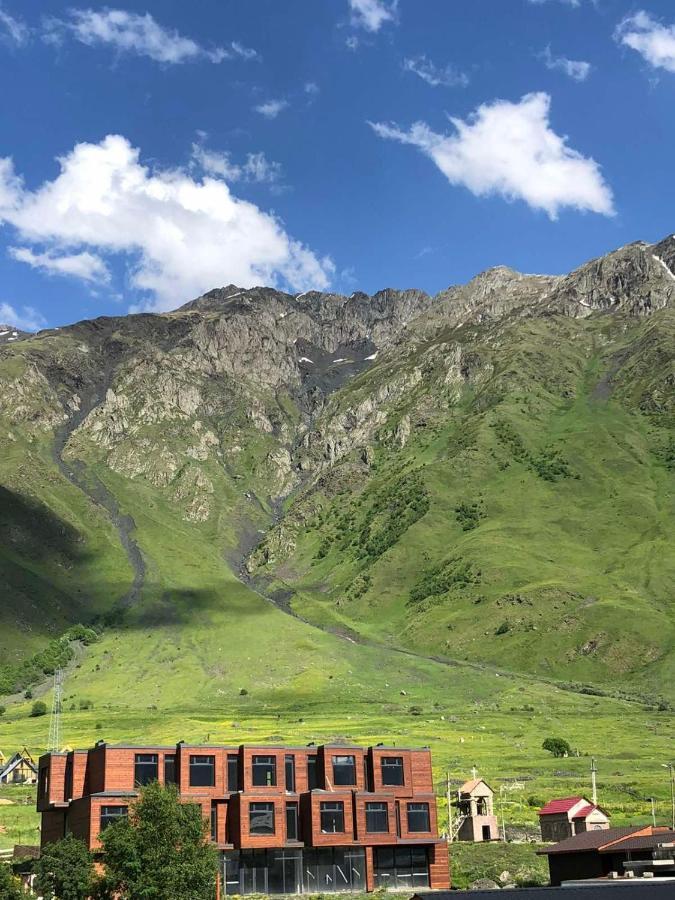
(31, 530)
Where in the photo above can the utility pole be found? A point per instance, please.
(55, 718)
(653, 812)
(671, 769)
(448, 794)
(594, 784)
(501, 810)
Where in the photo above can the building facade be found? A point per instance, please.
(569, 816)
(286, 819)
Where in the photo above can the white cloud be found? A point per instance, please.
(181, 236)
(256, 168)
(15, 29)
(271, 108)
(29, 319)
(85, 265)
(352, 42)
(566, 2)
(434, 75)
(654, 41)
(576, 69)
(373, 14)
(130, 32)
(509, 149)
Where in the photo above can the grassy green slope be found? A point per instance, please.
(545, 546)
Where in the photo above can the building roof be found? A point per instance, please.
(636, 889)
(469, 786)
(15, 761)
(592, 840)
(642, 842)
(561, 805)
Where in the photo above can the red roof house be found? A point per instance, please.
(566, 817)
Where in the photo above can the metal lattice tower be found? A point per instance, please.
(55, 719)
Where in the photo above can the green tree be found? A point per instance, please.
(559, 747)
(39, 708)
(65, 870)
(10, 888)
(161, 851)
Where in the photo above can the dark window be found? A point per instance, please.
(264, 771)
(312, 772)
(214, 823)
(418, 817)
(367, 780)
(232, 772)
(332, 818)
(392, 770)
(344, 770)
(169, 769)
(44, 781)
(68, 785)
(261, 818)
(292, 821)
(377, 817)
(202, 771)
(290, 773)
(146, 768)
(401, 868)
(110, 814)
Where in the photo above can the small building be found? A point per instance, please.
(611, 853)
(19, 769)
(476, 820)
(568, 816)
(285, 820)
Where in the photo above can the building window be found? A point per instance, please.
(332, 818)
(400, 868)
(377, 818)
(290, 773)
(261, 818)
(110, 814)
(292, 822)
(264, 771)
(344, 770)
(44, 781)
(214, 823)
(312, 772)
(146, 768)
(232, 772)
(392, 770)
(202, 771)
(169, 769)
(418, 817)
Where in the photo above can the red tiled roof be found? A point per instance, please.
(564, 804)
(584, 811)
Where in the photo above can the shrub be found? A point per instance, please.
(243, 692)
(39, 709)
(2, 710)
(65, 870)
(503, 628)
(559, 747)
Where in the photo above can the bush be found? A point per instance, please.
(39, 709)
(243, 692)
(3, 710)
(28, 695)
(65, 870)
(10, 889)
(503, 628)
(559, 747)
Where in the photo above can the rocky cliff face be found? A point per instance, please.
(158, 397)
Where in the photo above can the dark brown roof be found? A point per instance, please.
(643, 842)
(591, 840)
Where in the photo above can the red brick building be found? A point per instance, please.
(287, 819)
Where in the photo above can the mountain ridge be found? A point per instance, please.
(311, 437)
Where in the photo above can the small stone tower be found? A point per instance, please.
(476, 820)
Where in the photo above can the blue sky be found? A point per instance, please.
(150, 151)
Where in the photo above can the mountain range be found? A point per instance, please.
(483, 477)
